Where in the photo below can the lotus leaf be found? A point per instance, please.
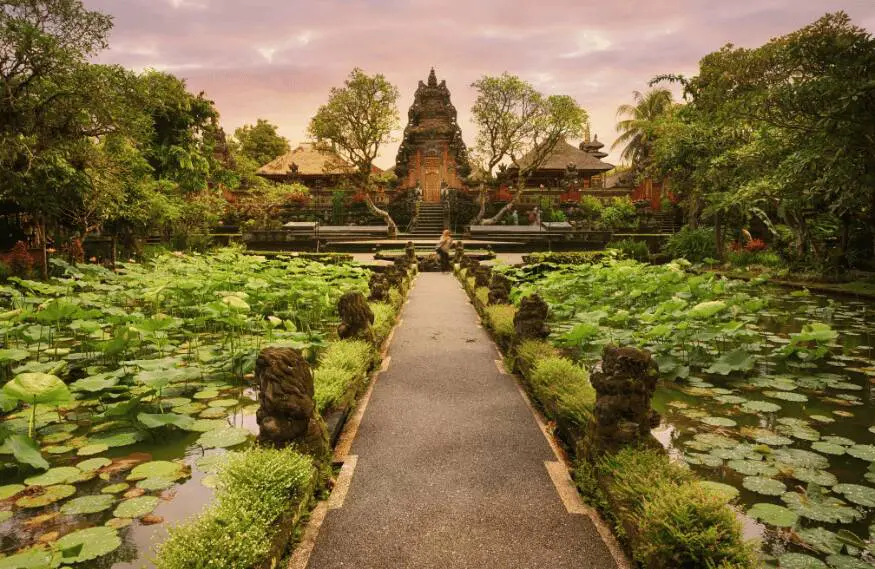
(93, 464)
(773, 440)
(801, 458)
(814, 476)
(800, 561)
(837, 561)
(206, 394)
(25, 451)
(204, 425)
(224, 438)
(50, 495)
(223, 403)
(57, 475)
(115, 488)
(33, 558)
(35, 388)
(96, 383)
(719, 422)
(822, 509)
(119, 438)
(55, 438)
(786, 396)
(157, 469)
(707, 309)
(87, 505)
(760, 407)
(736, 360)
(211, 463)
(91, 450)
(57, 449)
(715, 440)
(236, 303)
(738, 453)
(136, 507)
(703, 460)
(860, 495)
(752, 468)
(765, 486)
(821, 539)
(10, 490)
(119, 523)
(843, 441)
(773, 515)
(731, 399)
(95, 542)
(214, 413)
(725, 492)
(189, 408)
(156, 483)
(863, 452)
(823, 419)
(156, 421)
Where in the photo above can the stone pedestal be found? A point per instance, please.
(530, 320)
(356, 317)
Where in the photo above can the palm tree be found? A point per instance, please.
(635, 125)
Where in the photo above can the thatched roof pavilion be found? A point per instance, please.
(306, 163)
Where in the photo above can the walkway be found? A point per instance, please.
(450, 469)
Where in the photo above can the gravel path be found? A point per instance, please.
(450, 469)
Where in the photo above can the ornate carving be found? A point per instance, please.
(530, 321)
(287, 414)
(499, 289)
(356, 317)
(624, 388)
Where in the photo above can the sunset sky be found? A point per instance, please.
(278, 59)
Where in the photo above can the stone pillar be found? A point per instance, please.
(379, 288)
(356, 317)
(530, 320)
(287, 414)
(624, 387)
(410, 253)
(499, 289)
(460, 252)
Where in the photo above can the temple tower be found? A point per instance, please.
(432, 152)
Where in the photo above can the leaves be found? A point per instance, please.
(87, 544)
(136, 507)
(25, 451)
(36, 388)
(223, 438)
(773, 515)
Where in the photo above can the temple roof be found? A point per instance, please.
(565, 154)
(309, 160)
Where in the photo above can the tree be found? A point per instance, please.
(517, 124)
(635, 123)
(357, 119)
(260, 143)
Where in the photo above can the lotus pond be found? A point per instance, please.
(122, 390)
(766, 392)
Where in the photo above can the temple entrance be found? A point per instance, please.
(431, 179)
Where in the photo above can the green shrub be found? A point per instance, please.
(754, 258)
(356, 356)
(567, 258)
(256, 487)
(678, 523)
(482, 295)
(499, 318)
(533, 351)
(591, 207)
(384, 320)
(694, 245)
(632, 249)
(689, 528)
(621, 213)
(331, 385)
(563, 387)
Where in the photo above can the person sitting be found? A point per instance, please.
(443, 250)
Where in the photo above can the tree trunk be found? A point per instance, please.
(44, 254)
(482, 213)
(718, 236)
(393, 228)
(514, 200)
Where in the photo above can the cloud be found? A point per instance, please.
(278, 59)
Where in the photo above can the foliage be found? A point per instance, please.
(620, 213)
(694, 245)
(677, 522)
(591, 207)
(631, 249)
(499, 318)
(256, 487)
(564, 389)
(357, 119)
(636, 125)
(520, 126)
(260, 142)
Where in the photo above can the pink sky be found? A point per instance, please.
(278, 59)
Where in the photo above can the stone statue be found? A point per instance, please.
(287, 414)
(499, 289)
(624, 388)
(356, 317)
(530, 321)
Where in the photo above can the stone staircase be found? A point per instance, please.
(666, 222)
(430, 222)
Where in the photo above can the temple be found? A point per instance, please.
(432, 153)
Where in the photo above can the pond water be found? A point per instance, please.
(794, 437)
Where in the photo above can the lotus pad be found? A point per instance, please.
(773, 515)
(10, 490)
(213, 413)
(91, 450)
(117, 438)
(760, 407)
(95, 542)
(204, 425)
(115, 488)
(800, 561)
(856, 493)
(814, 476)
(156, 483)
(50, 495)
(223, 438)
(863, 452)
(157, 469)
(828, 448)
(801, 458)
(846, 562)
(828, 510)
(752, 467)
(765, 486)
(136, 507)
(58, 475)
(87, 504)
(719, 422)
(34, 558)
(821, 539)
(93, 464)
(774, 440)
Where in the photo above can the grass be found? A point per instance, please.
(482, 295)
(256, 488)
(384, 319)
(341, 366)
(563, 388)
(499, 318)
(676, 522)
